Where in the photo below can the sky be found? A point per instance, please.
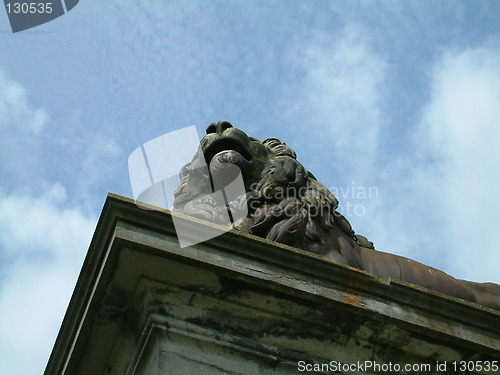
(393, 105)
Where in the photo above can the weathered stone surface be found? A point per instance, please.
(239, 304)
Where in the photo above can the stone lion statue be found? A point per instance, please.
(287, 204)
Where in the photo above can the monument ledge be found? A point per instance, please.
(239, 304)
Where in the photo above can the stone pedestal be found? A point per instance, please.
(238, 304)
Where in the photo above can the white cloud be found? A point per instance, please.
(461, 130)
(344, 85)
(21, 124)
(42, 247)
(43, 236)
(40, 118)
(36, 150)
(15, 108)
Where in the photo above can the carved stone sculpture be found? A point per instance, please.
(287, 204)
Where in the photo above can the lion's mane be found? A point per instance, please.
(289, 205)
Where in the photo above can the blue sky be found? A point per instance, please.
(400, 96)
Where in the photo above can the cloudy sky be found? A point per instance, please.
(394, 105)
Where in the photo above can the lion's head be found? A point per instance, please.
(285, 202)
